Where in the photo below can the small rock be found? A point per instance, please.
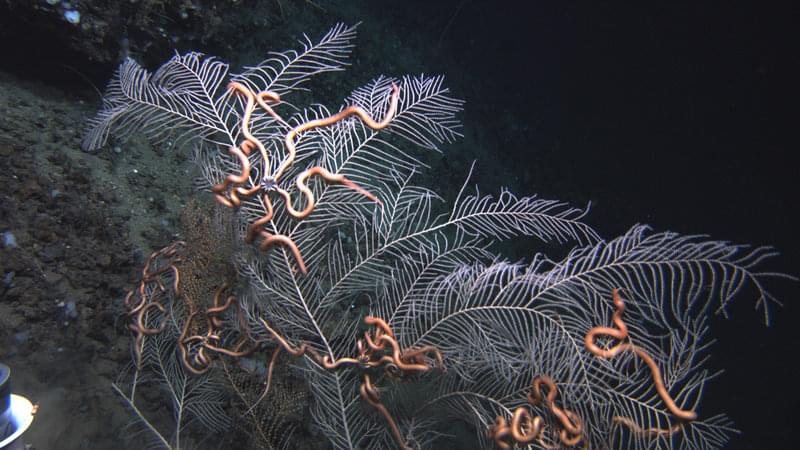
(9, 240)
(104, 260)
(52, 277)
(22, 337)
(52, 252)
(8, 279)
(70, 310)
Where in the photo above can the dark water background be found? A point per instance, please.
(682, 116)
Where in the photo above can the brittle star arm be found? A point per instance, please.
(261, 99)
(525, 428)
(621, 333)
(250, 101)
(571, 425)
(299, 351)
(220, 189)
(242, 152)
(200, 363)
(324, 173)
(310, 201)
(138, 310)
(347, 112)
(256, 229)
(268, 382)
(398, 359)
(370, 394)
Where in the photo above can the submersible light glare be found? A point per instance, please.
(16, 413)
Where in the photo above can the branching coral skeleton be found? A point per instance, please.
(437, 294)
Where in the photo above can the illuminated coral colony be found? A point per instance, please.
(324, 259)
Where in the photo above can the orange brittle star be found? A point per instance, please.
(230, 191)
(525, 427)
(377, 350)
(193, 348)
(156, 285)
(146, 296)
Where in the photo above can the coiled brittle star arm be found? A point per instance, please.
(369, 393)
(310, 201)
(147, 296)
(250, 101)
(621, 333)
(526, 428)
(341, 115)
(193, 347)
